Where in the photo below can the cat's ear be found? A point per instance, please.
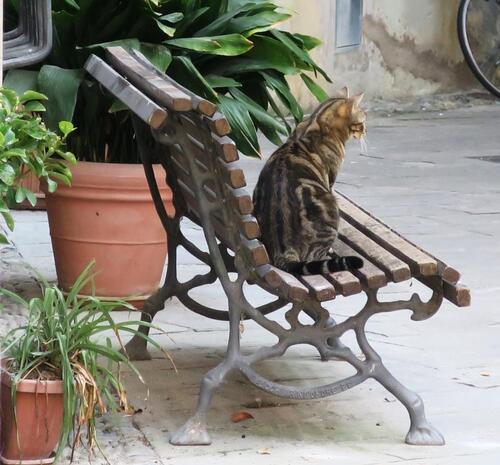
(343, 109)
(344, 92)
(356, 100)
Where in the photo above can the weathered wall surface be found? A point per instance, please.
(409, 48)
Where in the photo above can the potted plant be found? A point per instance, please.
(59, 372)
(28, 147)
(230, 52)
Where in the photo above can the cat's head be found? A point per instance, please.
(339, 113)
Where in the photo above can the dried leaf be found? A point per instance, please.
(485, 373)
(264, 452)
(241, 415)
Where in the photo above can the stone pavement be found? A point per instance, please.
(435, 177)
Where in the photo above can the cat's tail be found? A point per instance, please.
(329, 265)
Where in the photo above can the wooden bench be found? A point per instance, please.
(191, 139)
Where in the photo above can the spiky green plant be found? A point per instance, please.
(63, 336)
(231, 52)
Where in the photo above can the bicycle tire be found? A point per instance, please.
(469, 56)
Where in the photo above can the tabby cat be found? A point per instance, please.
(293, 200)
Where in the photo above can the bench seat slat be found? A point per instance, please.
(345, 283)
(370, 275)
(319, 287)
(420, 262)
(394, 268)
(289, 286)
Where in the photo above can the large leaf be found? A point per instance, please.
(221, 23)
(280, 86)
(226, 45)
(305, 61)
(61, 87)
(315, 89)
(217, 81)
(309, 42)
(269, 125)
(183, 70)
(260, 22)
(268, 53)
(158, 55)
(243, 129)
(21, 80)
(127, 44)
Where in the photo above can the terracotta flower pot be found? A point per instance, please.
(32, 435)
(108, 215)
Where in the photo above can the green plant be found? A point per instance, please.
(27, 146)
(229, 51)
(60, 338)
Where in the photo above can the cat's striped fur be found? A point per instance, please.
(293, 200)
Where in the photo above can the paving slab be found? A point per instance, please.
(428, 176)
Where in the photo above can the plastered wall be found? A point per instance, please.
(409, 48)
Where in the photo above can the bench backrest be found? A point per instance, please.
(197, 133)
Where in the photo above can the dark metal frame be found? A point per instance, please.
(324, 334)
(31, 41)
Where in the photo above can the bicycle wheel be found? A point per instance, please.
(478, 25)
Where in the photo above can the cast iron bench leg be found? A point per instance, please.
(421, 432)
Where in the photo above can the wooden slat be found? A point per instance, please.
(240, 200)
(199, 104)
(218, 124)
(255, 250)
(289, 286)
(420, 263)
(345, 283)
(146, 78)
(455, 293)
(319, 287)
(139, 103)
(249, 227)
(233, 174)
(369, 275)
(395, 268)
(226, 148)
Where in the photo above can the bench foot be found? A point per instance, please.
(193, 433)
(424, 435)
(421, 432)
(136, 349)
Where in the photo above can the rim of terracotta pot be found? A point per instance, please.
(37, 386)
(109, 177)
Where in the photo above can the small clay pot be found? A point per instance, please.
(32, 434)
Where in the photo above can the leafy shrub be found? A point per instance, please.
(228, 51)
(27, 146)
